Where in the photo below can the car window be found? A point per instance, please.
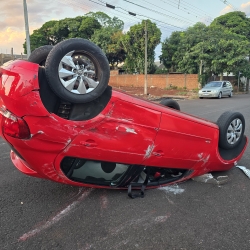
(229, 84)
(213, 84)
(224, 84)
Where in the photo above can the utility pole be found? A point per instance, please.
(26, 27)
(146, 61)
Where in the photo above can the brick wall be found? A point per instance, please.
(190, 81)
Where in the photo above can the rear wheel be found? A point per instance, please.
(231, 94)
(40, 54)
(170, 103)
(232, 127)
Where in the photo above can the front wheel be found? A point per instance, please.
(219, 96)
(232, 127)
(77, 70)
(170, 103)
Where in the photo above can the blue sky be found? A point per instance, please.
(169, 15)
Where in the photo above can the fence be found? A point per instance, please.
(7, 57)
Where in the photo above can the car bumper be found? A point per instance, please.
(208, 95)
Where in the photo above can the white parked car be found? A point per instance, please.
(216, 89)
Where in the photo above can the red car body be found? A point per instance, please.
(128, 130)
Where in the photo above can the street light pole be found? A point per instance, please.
(26, 27)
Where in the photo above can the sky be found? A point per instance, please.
(169, 15)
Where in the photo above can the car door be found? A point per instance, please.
(229, 87)
(123, 134)
(224, 89)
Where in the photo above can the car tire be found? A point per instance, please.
(39, 55)
(170, 103)
(220, 95)
(77, 70)
(231, 127)
(201, 97)
(231, 94)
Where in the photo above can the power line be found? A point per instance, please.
(189, 9)
(157, 12)
(124, 14)
(229, 4)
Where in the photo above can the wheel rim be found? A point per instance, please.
(219, 95)
(234, 131)
(77, 73)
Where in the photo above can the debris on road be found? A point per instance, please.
(209, 178)
(245, 170)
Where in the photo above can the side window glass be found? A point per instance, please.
(224, 84)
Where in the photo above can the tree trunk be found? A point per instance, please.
(221, 76)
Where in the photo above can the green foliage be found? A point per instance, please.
(234, 22)
(169, 48)
(106, 21)
(134, 45)
(43, 36)
(221, 47)
(110, 40)
(161, 71)
(53, 32)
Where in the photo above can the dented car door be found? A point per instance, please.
(124, 135)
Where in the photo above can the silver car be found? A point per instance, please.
(216, 89)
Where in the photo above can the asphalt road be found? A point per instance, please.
(39, 214)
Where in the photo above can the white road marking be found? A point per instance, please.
(56, 218)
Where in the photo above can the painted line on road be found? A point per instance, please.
(56, 218)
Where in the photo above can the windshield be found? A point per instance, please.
(213, 84)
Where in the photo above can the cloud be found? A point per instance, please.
(12, 26)
(11, 38)
(245, 7)
(227, 9)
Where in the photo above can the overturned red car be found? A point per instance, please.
(64, 123)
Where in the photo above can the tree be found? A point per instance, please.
(222, 51)
(176, 49)
(234, 22)
(43, 36)
(134, 45)
(107, 21)
(169, 48)
(108, 38)
(53, 32)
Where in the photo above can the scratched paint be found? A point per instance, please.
(130, 130)
(56, 218)
(175, 189)
(149, 151)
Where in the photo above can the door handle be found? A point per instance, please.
(89, 143)
(158, 153)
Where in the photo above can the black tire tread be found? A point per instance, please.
(40, 54)
(171, 104)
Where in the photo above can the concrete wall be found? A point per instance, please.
(190, 81)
